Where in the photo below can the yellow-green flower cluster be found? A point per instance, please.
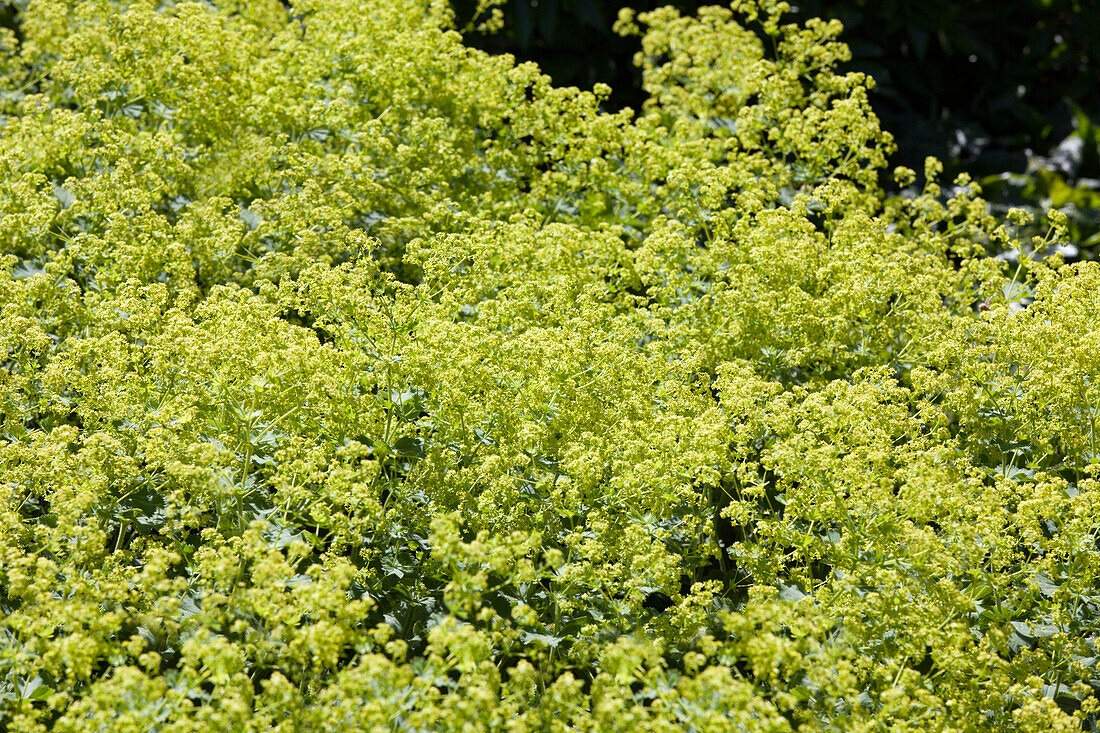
(351, 378)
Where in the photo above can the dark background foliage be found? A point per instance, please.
(976, 81)
(1007, 91)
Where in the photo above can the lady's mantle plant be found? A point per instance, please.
(355, 379)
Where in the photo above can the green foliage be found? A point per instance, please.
(983, 85)
(356, 379)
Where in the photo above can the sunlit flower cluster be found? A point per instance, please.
(354, 379)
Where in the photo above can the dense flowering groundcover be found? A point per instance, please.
(355, 379)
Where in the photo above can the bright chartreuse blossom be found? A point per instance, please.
(354, 379)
